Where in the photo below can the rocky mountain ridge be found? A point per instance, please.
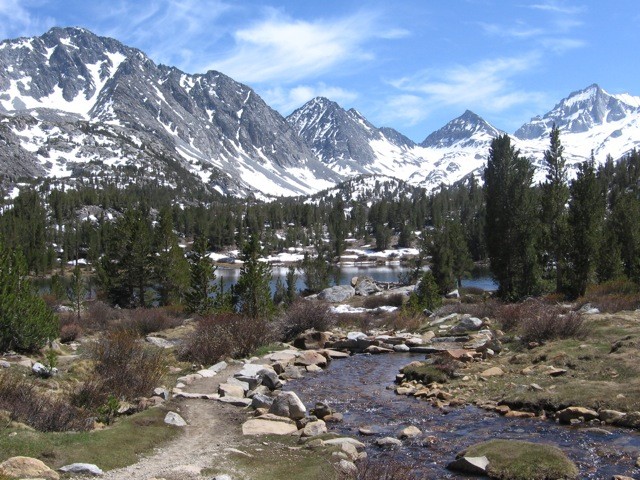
(75, 105)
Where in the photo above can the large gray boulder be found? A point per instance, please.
(337, 294)
(287, 404)
(366, 286)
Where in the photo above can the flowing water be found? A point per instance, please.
(357, 388)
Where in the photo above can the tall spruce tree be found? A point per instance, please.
(586, 211)
(200, 296)
(253, 291)
(511, 224)
(555, 193)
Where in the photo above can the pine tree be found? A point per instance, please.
(171, 268)
(586, 211)
(253, 291)
(26, 323)
(510, 220)
(291, 290)
(426, 294)
(77, 291)
(555, 193)
(200, 297)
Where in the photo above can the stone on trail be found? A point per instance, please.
(26, 467)
(264, 426)
(172, 418)
(470, 465)
(82, 468)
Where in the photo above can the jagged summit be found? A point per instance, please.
(581, 111)
(468, 130)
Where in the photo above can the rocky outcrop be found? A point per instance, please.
(26, 467)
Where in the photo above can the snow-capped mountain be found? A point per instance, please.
(75, 105)
(72, 101)
(348, 143)
(590, 121)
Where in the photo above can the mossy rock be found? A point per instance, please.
(518, 460)
(424, 373)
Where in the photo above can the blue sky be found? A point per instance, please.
(410, 64)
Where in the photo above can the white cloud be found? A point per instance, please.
(406, 109)
(485, 84)
(287, 50)
(287, 100)
(561, 7)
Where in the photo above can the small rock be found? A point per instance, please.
(313, 429)
(347, 468)
(235, 401)
(470, 465)
(229, 390)
(266, 426)
(334, 418)
(4, 364)
(492, 372)
(82, 468)
(610, 416)
(576, 413)
(162, 392)
(172, 418)
(321, 410)
(388, 442)
(287, 404)
(159, 342)
(536, 387)
(313, 368)
(555, 372)
(375, 350)
(223, 477)
(218, 367)
(261, 401)
(342, 440)
(401, 348)
(409, 432)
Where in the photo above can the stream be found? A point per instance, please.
(357, 388)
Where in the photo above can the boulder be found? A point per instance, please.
(313, 429)
(576, 413)
(347, 468)
(236, 401)
(162, 392)
(287, 404)
(292, 372)
(453, 294)
(311, 357)
(375, 350)
(230, 390)
(261, 401)
(333, 354)
(630, 420)
(82, 469)
(269, 378)
(311, 340)
(610, 416)
(470, 465)
(42, 371)
(4, 364)
(172, 418)
(342, 440)
(356, 335)
(218, 367)
(337, 294)
(160, 342)
(321, 410)
(366, 286)
(26, 467)
(269, 426)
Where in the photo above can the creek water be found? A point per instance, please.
(357, 388)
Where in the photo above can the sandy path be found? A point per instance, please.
(213, 428)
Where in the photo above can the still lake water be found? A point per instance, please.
(380, 273)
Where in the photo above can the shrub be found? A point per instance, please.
(124, 367)
(385, 469)
(40, 410)
(225, 335)
(70, 332)
(614, 296)
(536, 321)
(425, 373)
(426, 294)
(150, 320)
(375, 301)
(304, 315)
(100, 315)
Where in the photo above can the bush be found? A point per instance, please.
(303, 315)
(40, 410)
(100, 315)
(536, 321)
(70, 332)
(614, 296)
(124, 367)
(150, 320)
(426, 294)
(375, 301)
(225, 335)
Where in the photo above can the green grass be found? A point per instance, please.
(265, 349)
(115, 447)
(517, 460)
(278, 457)
(424, 373)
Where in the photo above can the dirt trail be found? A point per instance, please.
(213, 428)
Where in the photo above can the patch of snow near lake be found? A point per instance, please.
(350, 309)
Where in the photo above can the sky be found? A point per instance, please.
(412, 65)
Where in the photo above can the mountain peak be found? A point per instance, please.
(466, 130)
(581, 111)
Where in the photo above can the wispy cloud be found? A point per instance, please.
(562, 7)
(286, 100)
(17, 19)
(280, 48)
(176, 32)
(486, 84)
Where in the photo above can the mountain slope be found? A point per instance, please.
(112, 105)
